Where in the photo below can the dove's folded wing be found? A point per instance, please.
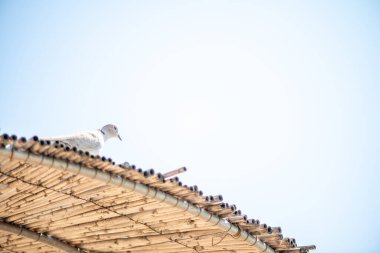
(86, 141)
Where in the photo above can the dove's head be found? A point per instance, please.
(110, 131)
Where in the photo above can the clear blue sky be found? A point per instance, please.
(274, 104)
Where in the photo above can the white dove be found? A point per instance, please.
(91, 141)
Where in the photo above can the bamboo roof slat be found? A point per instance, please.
(35, 238)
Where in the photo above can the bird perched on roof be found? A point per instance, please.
(91, 141)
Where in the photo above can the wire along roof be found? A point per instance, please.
(57, 199)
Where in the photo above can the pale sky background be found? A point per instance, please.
(273, 104)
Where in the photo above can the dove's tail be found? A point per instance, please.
(57, 141)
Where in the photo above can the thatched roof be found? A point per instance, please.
(56, 199)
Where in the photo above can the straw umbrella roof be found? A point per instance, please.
(57, 199)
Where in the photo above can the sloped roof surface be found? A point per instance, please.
(56, 199)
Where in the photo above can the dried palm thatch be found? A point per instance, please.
(57, 199)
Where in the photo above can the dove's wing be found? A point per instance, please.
(87, 141)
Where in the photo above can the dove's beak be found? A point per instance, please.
(119, 137)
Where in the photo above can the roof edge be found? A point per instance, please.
(38, 237)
